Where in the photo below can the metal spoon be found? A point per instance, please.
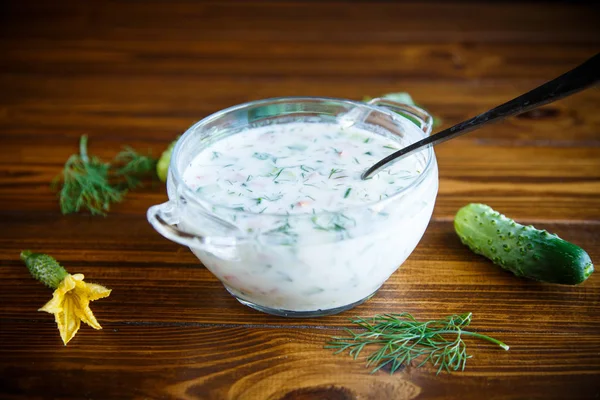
(577, 79)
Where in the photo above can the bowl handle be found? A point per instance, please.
(165, 217)
(419, 116)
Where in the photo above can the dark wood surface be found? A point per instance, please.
(139, 73)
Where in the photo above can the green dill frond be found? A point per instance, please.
(88, 183)
(401, 339)
(132, 166)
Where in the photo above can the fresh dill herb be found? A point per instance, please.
(331, 226)
(278, 173)
(356, 160)
(306, 169)
(132, 166)
(338, 152)
(347, 193)
(402, 339)
(263, 156)
(215, 155)
(333, 171)
(276, 197)
(87, 182)
(310, 197)
(367, 140)
(368, 153)
(286, 230)
(339, 227)
(390, 147)
(345, 219)
(258, 200)
(249, 178)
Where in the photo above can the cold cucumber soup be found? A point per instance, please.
(297, 168)
(324, 238)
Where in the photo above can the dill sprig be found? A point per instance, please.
(402, 339)
(133, 167)
(84, 184)
(87, 182)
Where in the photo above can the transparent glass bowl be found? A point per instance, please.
(280, 264)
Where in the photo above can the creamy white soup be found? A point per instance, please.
(337, 238)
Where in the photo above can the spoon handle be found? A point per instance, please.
(565, 85)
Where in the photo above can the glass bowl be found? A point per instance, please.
(281, 264)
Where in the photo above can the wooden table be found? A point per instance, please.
(140, 73)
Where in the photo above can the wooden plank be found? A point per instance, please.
(118, 109)
(191, 362)
(311, 21)
(155, 280)
(201, 58)
(562, 182)
(132, 73)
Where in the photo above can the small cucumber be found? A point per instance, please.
(44, 268)
(162, 166)
(522, 250)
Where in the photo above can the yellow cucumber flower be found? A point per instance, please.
(70, 302)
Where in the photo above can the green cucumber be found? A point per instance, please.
(44, 268)
(523, 250)
(162, 166)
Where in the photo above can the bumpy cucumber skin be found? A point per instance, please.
(523, 250)
(44, 268)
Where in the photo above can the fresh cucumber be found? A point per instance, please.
(162, 166)
(522, 250)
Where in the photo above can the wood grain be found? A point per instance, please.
(189, 362)
(505, 177)
(305, 21)
(441, 277)
(273, 60)
(140, 73)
